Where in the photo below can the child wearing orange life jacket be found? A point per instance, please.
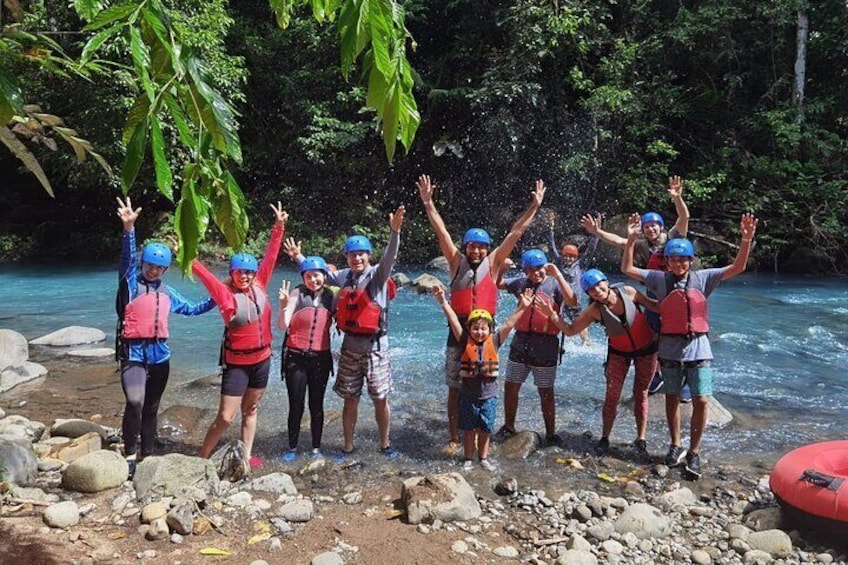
(246, 350)
(306, 315)
(630, 340)
(684, 345)
(479, 373)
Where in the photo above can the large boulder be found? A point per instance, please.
(439, 263)
(76, 427)
(774, 542)
(274, 483)
(20, 464)
(93, 352)
(11, 377)
(182, 476)
(644, 521)
(425, 283)
(22, 427)
(14, 349)
(520, 446)
(717, 415)
(401, 280)
(72, 335)
(95, 472)
(447, 497)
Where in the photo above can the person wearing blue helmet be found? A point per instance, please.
(684, 344)
(143, 304)
(535, 346)
(244, 305)
(474, 269)
(306, 315)
(362, 315)
(630, 340)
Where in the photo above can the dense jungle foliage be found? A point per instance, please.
(602, 100)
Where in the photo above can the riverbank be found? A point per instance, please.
(359, 515)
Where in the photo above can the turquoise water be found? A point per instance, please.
(781, 347)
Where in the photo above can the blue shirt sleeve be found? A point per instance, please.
(179, 304)
(554, 250)
(129, 262)
(514, 285)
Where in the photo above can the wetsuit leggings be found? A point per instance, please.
(143, 386)
(616, 371)
(302, 372)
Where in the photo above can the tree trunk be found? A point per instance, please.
(801, 37)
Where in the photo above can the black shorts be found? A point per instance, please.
(238, 378)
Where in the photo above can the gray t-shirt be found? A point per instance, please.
(676, 347)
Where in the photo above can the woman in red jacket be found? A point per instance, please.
(242, 299)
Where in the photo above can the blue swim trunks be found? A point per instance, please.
(697, 375)
(477, 414)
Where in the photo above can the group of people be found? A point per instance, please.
(662, 331)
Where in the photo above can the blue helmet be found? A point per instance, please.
(356, 243)
(314, 263)
(244, 262)
(157, 254)
(591, 278)
(679, 248)
(653, 218)
(533, 259)
(476, 235)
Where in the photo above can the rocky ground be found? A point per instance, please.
(79, 507)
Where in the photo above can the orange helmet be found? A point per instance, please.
(570, 250)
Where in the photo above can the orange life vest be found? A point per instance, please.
(479, 359)
(146, 316)
(684, 311)
(473, 288)
(309, 329)
(631, 335)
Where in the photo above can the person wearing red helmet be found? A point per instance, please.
(475, 268)
(684, 345)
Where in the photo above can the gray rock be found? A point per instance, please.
(644, 521)
(158, 529)
(738, 531)
(62, 515)
(20, 465)
(24, 493)
(739, 546)
(459, 546)
(506, 486)
(72, 335)
(180, 518)
(47, 465)
(775, 542)
(577, 557)
(22, 427)
(601, 531)
(578, 542)
(177, 538)
(96, 472)
(401, 280)
(11, 377)
(439, 264)
(94, 352)
(352, 498)
(700, 557)
(520, 446)
(14, 350)
(719, 415)
(281, 525)
(276, 483)
(301, 510)
(447, 497)
(175, 475)
(2, 413)
(612, 547)
(682, 496)
(757, 557)
(76, 427)
(239, 499)
(764, 519)
(275, 545)
(582, 513)
(425, 284)
(506, 551)
(327, 558)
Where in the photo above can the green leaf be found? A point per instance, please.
(20, 151)
(95, 42)
(354, 32)
(11, 101)
(217, 115)
(190, 222)
(88, 9)
(164, 177)
(282, 10)
(381, 27)
(112, 14)
(180, 121)
(135, 156)
(138, 112)
(318, 10)
(230, 211)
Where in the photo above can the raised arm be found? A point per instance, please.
(638, 297)
(504, 250)
(748, 228)
(675, 190)
(181, 305)
(288, 302)
(634, 228)
(568, 295)
(449, 250)
(453, 319)
(129, 257)
(387, 261)
(272, 250)
(525, 299)
(552, 240)
(583, 321)
(592, 224)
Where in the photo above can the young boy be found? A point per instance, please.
(535, 347)
(361, 313)
(630, 339)
(144, 303)
(478, 393)
(475, 269)
(684, 347)
(569, 262)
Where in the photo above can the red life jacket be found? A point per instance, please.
(244, 333)
(533, 320)
(309, 329)
(473, 288)
(631, 335)
(684, 311)
(357, 312)
(656, 262)
(479, 359)
(146, 316)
